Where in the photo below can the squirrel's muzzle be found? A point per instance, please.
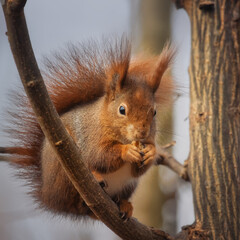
(137, 133)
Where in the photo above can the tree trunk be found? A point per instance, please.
(214, 161)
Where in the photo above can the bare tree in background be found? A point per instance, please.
(149, 199)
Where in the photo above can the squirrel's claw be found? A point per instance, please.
(103, 184)
(122, 215)
(149, 154)
(126, 210)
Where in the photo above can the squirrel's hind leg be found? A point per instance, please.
(126, 209)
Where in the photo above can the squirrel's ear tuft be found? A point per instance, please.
(162, 64)
(117, 75)
(119, 65)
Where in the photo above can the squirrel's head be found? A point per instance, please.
(130, 96)
(132, 111)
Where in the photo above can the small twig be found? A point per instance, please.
(171, 144)
(166, 159)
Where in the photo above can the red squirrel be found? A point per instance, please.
(107, 102)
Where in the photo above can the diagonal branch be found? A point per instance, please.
(69, 154)
(166, 159)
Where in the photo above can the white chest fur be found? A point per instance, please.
(117, 180)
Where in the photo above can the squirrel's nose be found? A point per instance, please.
(142, 133)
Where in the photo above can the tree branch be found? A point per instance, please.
(70, 157)
(166, 159)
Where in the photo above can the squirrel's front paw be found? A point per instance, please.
(149, 152)
(131, 153)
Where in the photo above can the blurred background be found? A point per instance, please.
(162, 199)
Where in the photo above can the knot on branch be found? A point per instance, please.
(201, 117)
(31, 84)
(206, 4)
(184, 173)
(159, 233)
(195, 231)
(59, 143)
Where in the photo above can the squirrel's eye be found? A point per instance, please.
(122, 110)
(155, 112)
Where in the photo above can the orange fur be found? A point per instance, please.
(87, 85)
(126, 209)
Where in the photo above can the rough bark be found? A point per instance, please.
(214, 161)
